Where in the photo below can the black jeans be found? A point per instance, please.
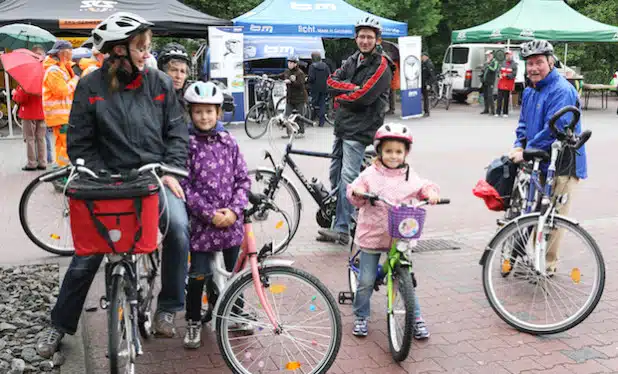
(503, 99)
(319, 106)
(426, 89)
(488, 97)
(199, 273)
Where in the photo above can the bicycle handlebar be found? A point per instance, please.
(561, 135)
(375, 197)
(157, 167)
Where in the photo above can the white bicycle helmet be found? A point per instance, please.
(368, 22)
(392, 131)
(204, 93)
(536, 47)
(117, 29)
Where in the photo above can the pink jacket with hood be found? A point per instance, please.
(396, 185)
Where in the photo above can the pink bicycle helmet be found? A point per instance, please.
(392, 131)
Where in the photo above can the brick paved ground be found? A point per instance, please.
(467, 337)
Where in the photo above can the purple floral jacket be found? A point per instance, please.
(217, 179)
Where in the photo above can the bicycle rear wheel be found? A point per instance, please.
(120, 332)
(400, 320)
(523, 299)
(270, 225)
(44, 214)
(309, 333)
(256, 122)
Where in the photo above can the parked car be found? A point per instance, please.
(467, 66)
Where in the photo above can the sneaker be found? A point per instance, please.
(496, 115)
(360, 327)
(420, 330)
(505, 116)
(193, 336)
(48, 342)
(164, 324)
(328, 235)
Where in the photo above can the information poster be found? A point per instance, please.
(226, 64)
(410, 76)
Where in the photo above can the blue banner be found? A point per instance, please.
(321, 18)
(411, 104)
(260, 47)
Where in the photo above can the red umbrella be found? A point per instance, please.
(26, 68)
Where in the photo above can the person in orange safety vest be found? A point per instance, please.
(59, 84)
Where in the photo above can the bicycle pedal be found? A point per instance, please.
(345, 296)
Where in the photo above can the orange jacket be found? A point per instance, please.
(59, 84)
(88, 65)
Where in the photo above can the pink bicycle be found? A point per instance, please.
(294, 319)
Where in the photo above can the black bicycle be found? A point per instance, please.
(272, 179)
(129, 285)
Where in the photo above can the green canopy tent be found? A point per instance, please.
(539, 19)
(552, 20)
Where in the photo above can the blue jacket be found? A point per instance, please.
(538, 105)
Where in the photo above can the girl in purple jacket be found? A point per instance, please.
(216, 192)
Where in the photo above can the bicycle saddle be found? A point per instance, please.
(534, 153)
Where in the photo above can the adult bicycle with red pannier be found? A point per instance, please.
(118, 216)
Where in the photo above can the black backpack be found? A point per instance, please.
(501, 175)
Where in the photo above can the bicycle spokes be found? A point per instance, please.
(303, 338)
(549, 294)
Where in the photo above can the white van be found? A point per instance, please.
(468, 60)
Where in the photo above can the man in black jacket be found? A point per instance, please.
(361, 88)
(429, 78)
(318, 75)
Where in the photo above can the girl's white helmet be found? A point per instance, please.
(117, 29)
(204, 93)
(392, 131)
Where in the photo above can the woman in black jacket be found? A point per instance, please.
(125, 116)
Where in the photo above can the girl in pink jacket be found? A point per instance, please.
(391, 177)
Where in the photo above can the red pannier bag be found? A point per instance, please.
(490, 195)
(114, 214)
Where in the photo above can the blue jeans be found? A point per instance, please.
(368, 266)
(343, 171)
(82, 270)
(48, 145)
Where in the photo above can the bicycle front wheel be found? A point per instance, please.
(309, 324)
(44, 214)
(271, 226)
(256, 122)
(400, 319)
(120, 332)
(550, 301)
